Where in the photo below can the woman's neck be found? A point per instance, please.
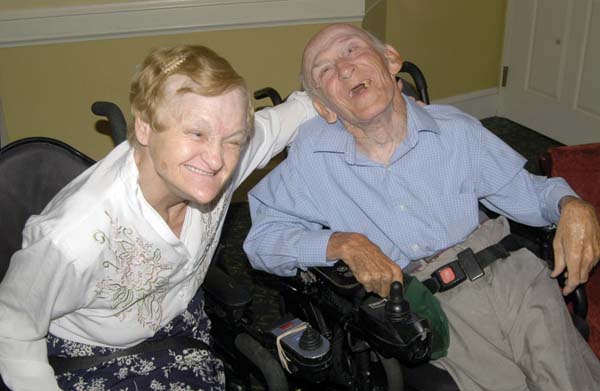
(167, 204)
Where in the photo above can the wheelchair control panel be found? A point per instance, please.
(387, 324)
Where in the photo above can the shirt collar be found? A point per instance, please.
(334, 138)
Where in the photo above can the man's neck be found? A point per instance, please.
(379, 139)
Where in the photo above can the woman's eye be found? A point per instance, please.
(234, 144)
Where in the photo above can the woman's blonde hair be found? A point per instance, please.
(211, 75)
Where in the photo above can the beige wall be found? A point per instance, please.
(375, 19)
(47, 90)
(457, 44)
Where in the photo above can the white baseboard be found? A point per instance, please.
(154, 17)
(480, 104)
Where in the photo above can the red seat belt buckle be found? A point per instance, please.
(449, 275)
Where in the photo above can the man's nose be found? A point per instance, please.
(345, 69)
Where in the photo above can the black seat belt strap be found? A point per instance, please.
(71, 364)
(470, 265)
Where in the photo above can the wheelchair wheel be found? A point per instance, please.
(393, 373)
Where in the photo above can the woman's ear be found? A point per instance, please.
(393, 59)
(324, 111)
(142, 131)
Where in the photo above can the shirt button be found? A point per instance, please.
(415, 247)
(402, 208)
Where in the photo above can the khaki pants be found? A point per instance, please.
(510, 329)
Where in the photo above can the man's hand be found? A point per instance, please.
(370, 266)
(576, 243)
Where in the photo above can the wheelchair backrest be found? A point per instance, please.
(32, 171)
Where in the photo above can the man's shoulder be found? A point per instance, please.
(311, 132)
(447, 113)
(453, 122)
(313, 127)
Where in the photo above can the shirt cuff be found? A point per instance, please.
(313, 251)
(554, 197)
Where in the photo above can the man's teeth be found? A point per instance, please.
(364, 85)
(199, 171)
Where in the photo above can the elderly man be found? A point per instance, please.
(397, 185)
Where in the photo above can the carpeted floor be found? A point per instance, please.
(266, 300)
(527, 142)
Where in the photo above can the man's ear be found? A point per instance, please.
(142, 131)
(393, 59)
(324, 111)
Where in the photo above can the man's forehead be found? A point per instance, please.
(327, 37)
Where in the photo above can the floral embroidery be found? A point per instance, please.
(136, 283)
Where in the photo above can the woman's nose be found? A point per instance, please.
(213, 155)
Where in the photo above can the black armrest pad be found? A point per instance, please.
(224, 290)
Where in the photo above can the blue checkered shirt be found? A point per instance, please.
(423, 201)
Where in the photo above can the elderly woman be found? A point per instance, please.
(118, 256)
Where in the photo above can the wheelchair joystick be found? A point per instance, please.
(396, 308)
(393, 329)
(310, 339)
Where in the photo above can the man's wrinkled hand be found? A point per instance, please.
(370, 266)
(576, 243)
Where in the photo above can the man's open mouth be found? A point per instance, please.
(359, 88)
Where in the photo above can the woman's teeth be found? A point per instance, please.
(199, 171)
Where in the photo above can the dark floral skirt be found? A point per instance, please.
(173, 369)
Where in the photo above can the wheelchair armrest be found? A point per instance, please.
(537, 239)
(225, 291)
